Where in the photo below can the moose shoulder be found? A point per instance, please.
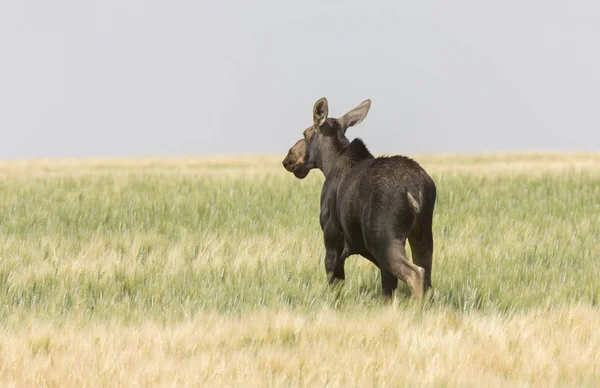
(369, 206)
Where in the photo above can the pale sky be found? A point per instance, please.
(190, 78)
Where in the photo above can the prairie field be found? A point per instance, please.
(209, 272)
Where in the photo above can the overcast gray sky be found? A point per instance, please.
(168, 78)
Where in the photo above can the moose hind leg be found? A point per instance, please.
(397, 263)
(389, 284)
(421, 245)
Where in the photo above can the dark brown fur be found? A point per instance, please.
(369, 206)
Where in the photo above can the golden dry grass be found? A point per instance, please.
(388, 348)
(260, 165)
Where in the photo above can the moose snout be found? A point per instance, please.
(287, 163)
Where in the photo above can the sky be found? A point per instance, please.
(130, 78)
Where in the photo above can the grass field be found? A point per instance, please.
(209, 272)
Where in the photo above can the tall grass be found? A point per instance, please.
(140, 244)
(170, 242)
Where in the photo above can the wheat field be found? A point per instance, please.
(209, 272)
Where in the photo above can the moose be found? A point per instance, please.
(369, 205)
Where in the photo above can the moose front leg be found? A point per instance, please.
(334, 264)
(335, 254)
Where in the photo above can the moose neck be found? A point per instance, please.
(341, 154)
(331, 151)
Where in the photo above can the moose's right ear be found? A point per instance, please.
(320, 111)
(355, 116)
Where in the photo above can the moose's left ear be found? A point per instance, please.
(355, 116)
(320, 111)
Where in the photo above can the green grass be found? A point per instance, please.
(166, 246)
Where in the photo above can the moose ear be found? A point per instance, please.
(356, 115)
(320, 111)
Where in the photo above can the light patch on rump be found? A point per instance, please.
(414, 203)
